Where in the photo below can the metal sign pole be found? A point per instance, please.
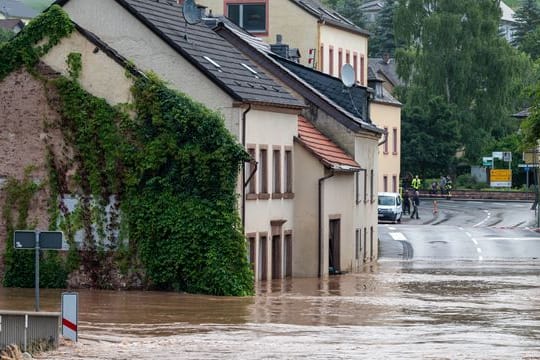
(37, 271)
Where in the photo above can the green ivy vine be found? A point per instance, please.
(20, 264)
(165, 165)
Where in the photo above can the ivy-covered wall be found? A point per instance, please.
(170, 164)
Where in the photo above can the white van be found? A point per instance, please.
(390, 206)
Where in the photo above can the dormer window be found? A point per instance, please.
(248, 15)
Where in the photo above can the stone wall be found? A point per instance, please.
(28, 126)
(484, 195)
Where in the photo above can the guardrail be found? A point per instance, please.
(31, 331)
(482, 195)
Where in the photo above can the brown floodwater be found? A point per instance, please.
(395, 310)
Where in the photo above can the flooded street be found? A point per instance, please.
(396, 310)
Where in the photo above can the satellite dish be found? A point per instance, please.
(347, 75)
(191, 12)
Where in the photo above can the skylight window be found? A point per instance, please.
(344, 19)
(213, 63)
(250, 69)
(310, 7)
(329, 13)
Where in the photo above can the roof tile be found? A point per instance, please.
(323, 148)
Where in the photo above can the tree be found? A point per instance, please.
(383, 40)
(429, 138)
(530, 44)
(5, 35)
(530, 127)
(527, 18)
(453, 51)
(348, 9)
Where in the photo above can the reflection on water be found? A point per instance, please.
(394, 310)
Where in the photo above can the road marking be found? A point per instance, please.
(391, 228)
(478, 249)
(397, 236)
(486, 219)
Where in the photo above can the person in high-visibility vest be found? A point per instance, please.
(416, 183)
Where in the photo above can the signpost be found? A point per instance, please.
(500, 178)
(70, 315)
(35, 239)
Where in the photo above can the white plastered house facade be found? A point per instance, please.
(336, 41)
(269, 128)
(342, 194)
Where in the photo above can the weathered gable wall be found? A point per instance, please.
(100, 75)
(26, 119)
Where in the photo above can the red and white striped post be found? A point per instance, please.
(70, 315)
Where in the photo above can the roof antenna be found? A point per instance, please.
(190, 11)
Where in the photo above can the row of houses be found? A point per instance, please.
(308, 198)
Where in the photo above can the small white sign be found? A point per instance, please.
(497, 155)
(70, 315)
(501, 184)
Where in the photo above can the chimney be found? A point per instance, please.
(202, 9)
(279, 48)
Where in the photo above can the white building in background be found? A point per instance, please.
(507, 22)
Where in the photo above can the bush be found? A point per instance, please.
(467, 181)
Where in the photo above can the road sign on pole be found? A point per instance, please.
(50, 240)
(33, 239)
(70, 315)
(24, 239)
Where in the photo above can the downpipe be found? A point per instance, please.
(321, 180)
(244, 182)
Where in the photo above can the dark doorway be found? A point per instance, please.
(263, 257)
(276, 257)
(288, 255)
(251, 244)
(334, 266)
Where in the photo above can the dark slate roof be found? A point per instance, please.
(203, 48)
(386, 97)
(386, 69)
(16, 9)
(212, 54)
(353, 100)
(322, 97)
(317, 9)
(11, 24)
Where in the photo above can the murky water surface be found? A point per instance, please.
(393, 311)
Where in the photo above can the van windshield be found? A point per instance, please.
(387, 200)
